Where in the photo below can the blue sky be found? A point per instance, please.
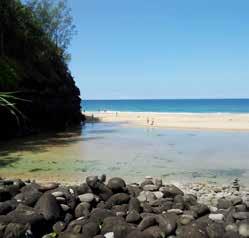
(161, 48)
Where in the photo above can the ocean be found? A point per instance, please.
(170, 105)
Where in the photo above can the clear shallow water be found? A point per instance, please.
(128, 152)
(174, 105)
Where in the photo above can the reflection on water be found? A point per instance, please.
(128, 152)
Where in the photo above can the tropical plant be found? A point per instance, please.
(8, 101)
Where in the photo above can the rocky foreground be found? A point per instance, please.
(113, 209)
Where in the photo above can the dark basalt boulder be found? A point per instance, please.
(116, 184)
(193, 230)
(224, 203)
(99, 214)
(117, 199)
(134, 204)
(171, 191)
(70, 235)
(133, 217)
(27, 215)
(28, 198)
(82, 210)
(48, 206)
(14, 230)
(4, 195)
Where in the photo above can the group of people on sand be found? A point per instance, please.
(150, 122)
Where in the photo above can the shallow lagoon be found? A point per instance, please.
(130, 152)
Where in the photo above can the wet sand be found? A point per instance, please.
(199, 121)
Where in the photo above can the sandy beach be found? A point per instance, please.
(204, 121)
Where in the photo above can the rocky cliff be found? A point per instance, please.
(31, 68)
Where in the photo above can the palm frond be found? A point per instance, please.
(6, 101)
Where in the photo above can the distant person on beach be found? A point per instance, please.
(92, 117)
(116, 114)
(152, 122)
(148, 120)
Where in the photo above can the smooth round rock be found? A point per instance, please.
(244, 230)
(109, 235)
(87, 197)
(216, 217)
(58, 194)
(116, 184)
(48, 186)
(231, 227)
(65, 207)
(186, 219)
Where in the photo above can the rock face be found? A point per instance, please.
(38, 73)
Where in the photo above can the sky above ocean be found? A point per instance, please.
(161, 49)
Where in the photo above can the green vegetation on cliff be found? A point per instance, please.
(33, 65)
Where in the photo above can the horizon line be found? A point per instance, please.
(122, 99)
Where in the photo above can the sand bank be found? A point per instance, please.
(205, 121)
